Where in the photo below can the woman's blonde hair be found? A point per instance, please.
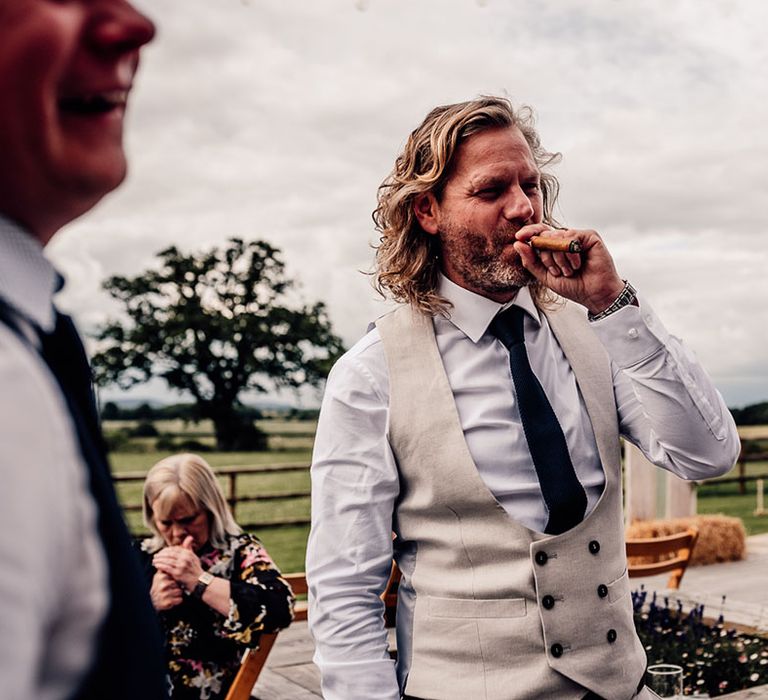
(187, 475)
(407, 259)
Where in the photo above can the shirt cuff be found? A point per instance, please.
(631, 334)
(372, 680)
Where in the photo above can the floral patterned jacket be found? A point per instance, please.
(203, 647)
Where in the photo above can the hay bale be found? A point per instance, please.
(721, 537)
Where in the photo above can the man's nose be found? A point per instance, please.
(517, 205)
(118, 26)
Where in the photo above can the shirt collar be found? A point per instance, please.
(472, 313)
(27, 280)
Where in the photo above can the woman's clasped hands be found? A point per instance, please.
(178, 568)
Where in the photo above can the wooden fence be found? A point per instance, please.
(742, 478)
(230, 475)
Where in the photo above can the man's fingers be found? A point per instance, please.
(528, 232)
(556, 262)
(531, 261)
(562, 263)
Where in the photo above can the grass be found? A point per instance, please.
(726, 499)
(130, 461)
(286, 545)
(290, 442)
(205, 427)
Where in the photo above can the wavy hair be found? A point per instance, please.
(191, 476)
(407, 264)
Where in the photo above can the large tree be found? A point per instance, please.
(216, 324)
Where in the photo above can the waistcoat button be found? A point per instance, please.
(594, 547)
(541, 558)
(556, 650)
(611, 636)
(548, 602)
(602, 590)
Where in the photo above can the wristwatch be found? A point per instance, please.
(202, 583)
(626, 297)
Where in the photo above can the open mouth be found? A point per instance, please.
(95, 103)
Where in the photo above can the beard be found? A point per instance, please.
(481, 262)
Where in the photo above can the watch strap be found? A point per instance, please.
(202, 583)
(626, 297)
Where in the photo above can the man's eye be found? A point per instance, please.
(186, 521)
(488, 193)
(532, 186)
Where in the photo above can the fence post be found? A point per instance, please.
(760, 509)
(742, 473)
(233, 494)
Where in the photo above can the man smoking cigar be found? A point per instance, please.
(480, 422)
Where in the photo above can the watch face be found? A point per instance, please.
(205, 578)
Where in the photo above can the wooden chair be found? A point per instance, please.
(299, 586)
(250, 668)
(669, 553)
(389, 596)
(254, 659)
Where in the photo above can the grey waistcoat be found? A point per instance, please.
(474, 578)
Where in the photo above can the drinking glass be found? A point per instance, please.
(666, 680)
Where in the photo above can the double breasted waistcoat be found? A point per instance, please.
(490, 608)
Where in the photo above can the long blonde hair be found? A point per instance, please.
(407, 259)
(191, 476)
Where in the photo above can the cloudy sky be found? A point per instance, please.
(278, 120)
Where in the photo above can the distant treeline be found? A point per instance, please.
(186, 411)
(756, 414)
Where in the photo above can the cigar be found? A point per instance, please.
(564, 245)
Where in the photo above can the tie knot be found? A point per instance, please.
(507, 326)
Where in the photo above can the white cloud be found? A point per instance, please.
(263, 118)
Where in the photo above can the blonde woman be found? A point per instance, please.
(214, 587)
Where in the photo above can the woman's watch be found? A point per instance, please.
(203, 582)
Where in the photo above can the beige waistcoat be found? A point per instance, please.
(473, 626)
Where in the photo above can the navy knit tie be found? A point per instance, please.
(561, 489)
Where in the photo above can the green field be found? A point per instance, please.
(726, 499)
(291, 443)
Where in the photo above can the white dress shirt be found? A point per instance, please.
(53, 574)
(667, 406)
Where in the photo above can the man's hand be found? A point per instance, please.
(180, 563)
(165, 592)
(588, 278)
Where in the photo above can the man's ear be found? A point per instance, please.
(426, 210)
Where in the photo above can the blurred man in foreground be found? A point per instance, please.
(480, 422)
(75, 616)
